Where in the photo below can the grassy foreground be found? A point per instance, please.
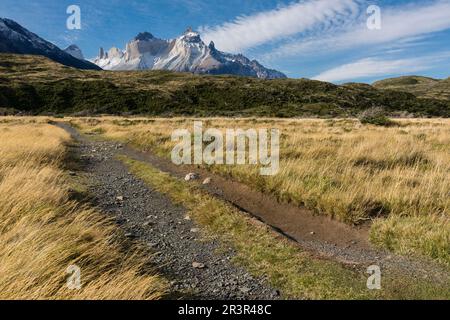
(396, 177)
(297, 274)
(43, 232)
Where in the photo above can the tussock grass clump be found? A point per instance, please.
(400, 234)
(375, 116)
(42, 232)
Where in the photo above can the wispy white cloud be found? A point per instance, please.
(375, 67)
(249, 31)
(400, 24)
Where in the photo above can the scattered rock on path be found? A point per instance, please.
(244, 290)
(191, 176)
(198, 265)
(207, 181)
(130, 235)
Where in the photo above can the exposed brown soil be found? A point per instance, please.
(318, 233)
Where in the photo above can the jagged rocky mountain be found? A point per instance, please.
(75, 51)
(16, 39)
(187, 53)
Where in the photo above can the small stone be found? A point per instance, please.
(207, 181)
(121, 221)
(71, 173)
(198, 265)
(147, 223)
(119, 198)
(195, 230)
(187, 218)
(191, 176)
(130, 235)
(244, 290)
(312, 233)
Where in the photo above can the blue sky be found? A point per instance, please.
(322, 39)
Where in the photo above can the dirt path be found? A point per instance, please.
(320, 235)
(150, 218)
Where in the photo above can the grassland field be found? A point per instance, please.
(394, 178)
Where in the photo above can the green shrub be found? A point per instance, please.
(376, 116)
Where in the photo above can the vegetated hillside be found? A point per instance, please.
(421, 87)
(35, 84)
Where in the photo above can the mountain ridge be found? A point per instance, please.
(75, 51)
(16, 39)
(186, 53)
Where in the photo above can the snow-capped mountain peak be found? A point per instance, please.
(186, 53)
(191, 36)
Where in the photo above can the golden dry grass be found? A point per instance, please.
(396, 176)
(42, 232)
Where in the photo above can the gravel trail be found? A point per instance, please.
(194, 266)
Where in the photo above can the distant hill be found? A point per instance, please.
(16, 39)
(37, 85)
(421, 87)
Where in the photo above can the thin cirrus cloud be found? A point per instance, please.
(246, 32)
(399, 24)
(375, 67)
